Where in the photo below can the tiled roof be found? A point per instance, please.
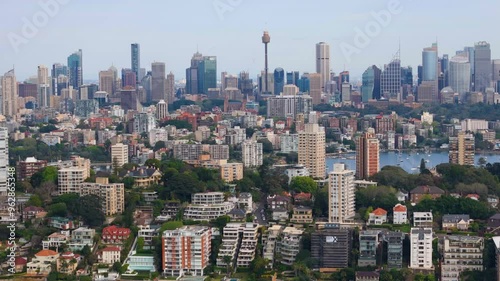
(379, 212)
(111, 249)
(399, 208)
(46, 253)
(425, 189)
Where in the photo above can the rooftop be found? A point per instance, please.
(379, 212)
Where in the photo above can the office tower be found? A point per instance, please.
(4, 160)
(390, 80)
(192, 74)
(269, 81)
(331, 247)
(323, 63)
(288, 105)
(106, 81)
(119, 154)
(303, 83)
(147, 85)
(186, 250)
(57, 69)
(27, 90)
(341, 194)
(292, 78)
(462, 149)
(266, 39)
(43, 97)
(75, 69)
(223, 75)
(170, 91)
(136, 60)
(430, 75)
(251, 152)
(495, 64)
(129, 78)
(279, 80)
(312, 150)
(421, 248)
(406, 81)
(157, 81)
(470, 53)
(482, 66)
(207, 74)
(129, 99)
(445, 66)
(315, 87)
(419, 75)
(343, 77)
(367, 156)
(346, 92)
(245, 84)
(9, 94)
(370, 88)
(459, 75)
(460, 253)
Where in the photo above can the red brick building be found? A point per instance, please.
(114, 234)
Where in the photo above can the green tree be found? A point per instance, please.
(303, 184)
(422, 166)
(58, 210)
(258, 266)
(170, 225)
(159, 145)
(228, 261)
(34, 200)
(267, 146)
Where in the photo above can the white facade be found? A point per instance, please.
(474, 125)
(296, 171)
(427, 118)
(144, 122)
(421, 248)
(289, 143)
(341, 194)
(207, 198)
(400, 214)
(289, 245)
(252, 153)
(230, 236)
(109, 255)
(158, 134)
(4, 159)
(460, 253)
(323, 62)
(422, 219)
(207, 212)
(119, 152)
(248, 244)
(161, 110)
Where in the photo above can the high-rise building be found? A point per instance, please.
(292, 78)
(107, 81)
(462, 149)
(370, 88)
(459, 75)
(390, 80)
(341, 194)
(119, 154)
(331, 247)
(496, 74)
(245, 84)
(394, 248)
(147, 85)
(186, 250)
(367, 156)
(69, 179)
(161, 110)
(192, 74)
(315, 87)
(135, 50)
(170, 91)
(144, 122)
(460, 253)
(288, 105)
(43, 97)
(129, 78)
(303, 83)
(312, 150)
(421, 248)
(269, 82)
(445, 66)
(27, 168)
(430, 75)
(57, 69)
(129, 99)
(112, 195)
(158, 81)
(4, 159)
(207, 74)
(279, 80)
(9, 94)
(251, 153)
(482, 66)
(75, 69)
(323, 63)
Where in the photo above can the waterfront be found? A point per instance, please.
(409, 161)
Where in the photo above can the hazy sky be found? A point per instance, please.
(171, 31)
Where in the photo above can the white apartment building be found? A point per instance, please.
(460, 253)
(289, 143)
(474, 125)
(270, 242)
(248, 244)
(80, 237)
(207, 198)
(230, 238)
(421, 248)
(144, 122)
(341, 194)
(296, 171)
(207, 212)
(119, 152)
(158, 134)
(289, 245)
(251, 153)
(422, 219)
(69, 180)
(4, 159)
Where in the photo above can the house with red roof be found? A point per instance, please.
(20, 263)
(41, 264)
(473, 196)
(302, 197)
(109, 255)
(115, 235)
(68, 262)
(377, 217)
(31, 212)
(400, 214)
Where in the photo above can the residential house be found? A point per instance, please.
(145, 176)
(302, 214)
(20, 263)
(377, 217)
(62, 223)
(279, 214)
(460, 222)
(80, 237)
(400, 214)
(68, 262)
(402, 196)
(32, 212)
(115, 235)
(237, 214)
(56, 240)
(367, 276)
(148, 232)
(302, 197)
(473, 196)
(245, 202)
(493, 225)
(425, 191)
(276, 201)
(41, 264)
(109, 255)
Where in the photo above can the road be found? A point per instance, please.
(259, 215)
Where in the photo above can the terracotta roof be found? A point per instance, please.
(111, 249)
(46, 253)
(399, 208)
(21, 261)
(379, 212)
(475, 196)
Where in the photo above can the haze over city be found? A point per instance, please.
(171, 31)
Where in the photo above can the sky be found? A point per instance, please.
(171, 31)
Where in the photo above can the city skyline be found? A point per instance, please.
(290, 39)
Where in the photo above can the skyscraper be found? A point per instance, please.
(459, 75)
(129, 78)
(75, 69)
(430, 74)
(106, 81)
(323, 63)
(341, 195)
(482, 66)
(192, 74)
(4, 160)
(390, 80)
(462, 149)
(292, 78)
(57, 69)
(158, 81)
(136, 60)
(9, 94)
(279, 80)
(43, 97)
(207, 74)
(315, 87)
(312, 150)
(370, 88)
(495, 64)
(170, 88)
(367, 156)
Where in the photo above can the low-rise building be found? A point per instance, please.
(245, 202)
(207, 198)
(275, 201)
(270, 241)
(368, 246)
(41, 264)
(394, 248)
(289, 245)
(138, 262)
(115, 235)
(81, 237)
(422, 219)
(32, 212)
(248, 244)
(302, 214)
(459, 222)
(68, 262)
(280, 214)
(207, 212)
(367, 276)
(419, 192)
(62, 223)
(460, 253)
(144, 177)
(55, 240)
(109, 255)
(400, 214)
(230, 239)
(377, 217)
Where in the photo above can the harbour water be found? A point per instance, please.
(409, 161)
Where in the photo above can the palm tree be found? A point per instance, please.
(227, 260)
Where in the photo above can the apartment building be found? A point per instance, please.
(69, 180)
(422, 219)
(80, 237)
(289, 245)
(394, 248)
(186, 250)
(207, 212)
(312, 150)
(230, 239)
(301, 215)
(207, 198)
(112, 195)
(119, 154)
(251, 153)
(460, 253)
(331, 247)
(421, 248)
(270, 242)
(231, 172)
(25, 169)
(368, 247)
(248, 245)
